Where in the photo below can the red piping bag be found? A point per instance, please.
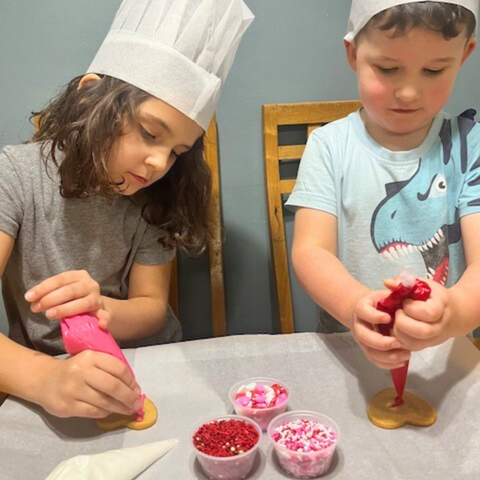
(82, 332)
(410, 287)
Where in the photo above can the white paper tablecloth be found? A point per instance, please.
(189, 383)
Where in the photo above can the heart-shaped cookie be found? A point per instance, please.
(414, 411)
(115, 420)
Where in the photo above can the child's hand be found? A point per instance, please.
(383, 351)
(419, 325)
(67, 294)
(90, 384)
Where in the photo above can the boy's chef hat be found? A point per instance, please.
(179, 51)
(363, 10)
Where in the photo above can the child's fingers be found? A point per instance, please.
(116, 368)
(392, 283)
(414, 334)
(75, 307)
(412, 344)
(85, 410)
(108, 393)
(103, 318)
(36, 293)
(367, 312)
(365, 334)
(388, 360)
(49, 285)
(429, 311)
(60, 296)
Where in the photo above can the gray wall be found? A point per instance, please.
(292, 53)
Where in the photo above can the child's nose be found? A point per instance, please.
(408, 93)
(159, 162)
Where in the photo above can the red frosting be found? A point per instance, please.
(418, 291)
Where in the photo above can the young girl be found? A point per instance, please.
(94, 206)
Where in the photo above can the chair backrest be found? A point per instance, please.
(219, 325)
(310, 115)
(217, 286)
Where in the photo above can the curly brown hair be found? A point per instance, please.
(78, 130)
(446, 19)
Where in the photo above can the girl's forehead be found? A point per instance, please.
(162, 115)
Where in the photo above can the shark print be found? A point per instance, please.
(427, 203)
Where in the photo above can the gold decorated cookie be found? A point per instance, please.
(414, 411)
(116, 420)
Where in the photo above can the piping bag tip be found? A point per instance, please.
(399, 378)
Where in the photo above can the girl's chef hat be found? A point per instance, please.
(179, 51)
(363, 10)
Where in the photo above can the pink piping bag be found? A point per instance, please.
(410, 287)
(82, 332)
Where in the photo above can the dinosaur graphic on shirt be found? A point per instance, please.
(423, 202)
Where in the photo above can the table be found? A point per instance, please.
(189, 383)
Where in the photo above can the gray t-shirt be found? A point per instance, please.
(53, 235)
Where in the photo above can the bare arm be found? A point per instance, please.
(19, 366)
(319, 270)
(332, 287)
(144, 312)
(467, 311)
(91, 384)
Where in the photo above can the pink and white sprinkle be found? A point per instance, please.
(304, 436)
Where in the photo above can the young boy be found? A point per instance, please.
(395, 185)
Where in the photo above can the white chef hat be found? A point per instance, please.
(363, 10)
(179, 51)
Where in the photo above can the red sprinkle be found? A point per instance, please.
(225, 438)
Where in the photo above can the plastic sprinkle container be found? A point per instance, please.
(226, 439)
(259, 398)
(304, 442)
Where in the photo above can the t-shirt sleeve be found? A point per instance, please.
(469, 199)
(12, 201)
(315, 185)
(151, 251)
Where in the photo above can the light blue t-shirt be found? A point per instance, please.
(395, 210)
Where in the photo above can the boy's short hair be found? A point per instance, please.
(444, 18)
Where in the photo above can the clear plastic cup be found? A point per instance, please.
(263, 416)
(227, 468)
(304, 464)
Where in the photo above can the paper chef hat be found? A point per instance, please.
(179, 51)
(363, 10)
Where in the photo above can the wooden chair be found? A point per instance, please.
(310, 115)
(219, 325)
(217, 286)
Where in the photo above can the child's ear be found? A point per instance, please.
(469, 48)
(351, 51)
(89, 77)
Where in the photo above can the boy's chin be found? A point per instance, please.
(407, 126)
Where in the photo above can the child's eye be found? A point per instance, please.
(433, 73)
(387, 71)
(145, 134)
